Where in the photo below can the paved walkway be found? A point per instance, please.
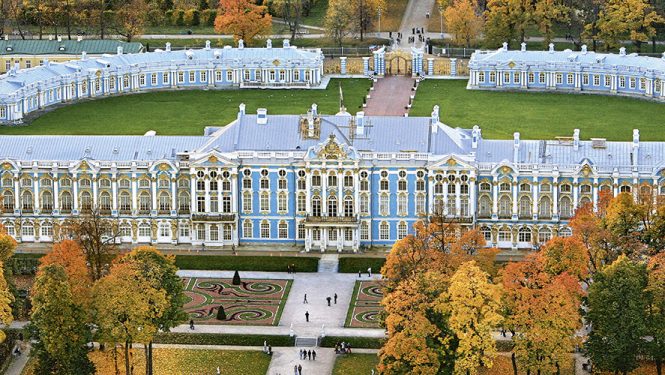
(390, 96)
(17, 364)
(415, 16)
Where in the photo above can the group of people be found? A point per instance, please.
(342, 348)
(369, 272)
(291, 268)
(308, 354)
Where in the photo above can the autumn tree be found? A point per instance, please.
(244, 19)
(130, 18)
(291, 11)
(126, 307)
(160, 272)
(97, 237)
(655, 313)
(634, 20)
(507, 20)
(463, 22)
(616, 312)
(71, 257)
(7, 297)
(568, 254)
(58, 325)
(365, 12)
(543, 311)
(473, 304)
(338, 20)
(546, 14)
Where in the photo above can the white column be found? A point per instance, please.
(515, 187)
(153, 190)
(495, 198)
(114, 192)
(576, 187)
(595, 194)
(615, 186)
(534, 191)
(430, 192)
(555, 199)
(35, 186)
(445, 197)
(75, 181)
(234, 192)
(56, 193)
(94, 191)
(174, 194)
(472, 196)
(324, 193)
(308, 192)
(192, 192)
(340, 192)
(17, 194)
(458, 198)
(207, 194)
(135, 206)
(356, 193)
(219, 198)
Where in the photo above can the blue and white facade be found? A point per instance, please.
(24, 91)
(568, 71)
(316, 182)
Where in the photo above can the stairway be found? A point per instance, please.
(328, 263)
(307, 342)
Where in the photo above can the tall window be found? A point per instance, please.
(332, 206)
(402, 205)
(264, 203)
(504, 206)
(348, 206)
(545, 208)
(384, 231)
(401, 230)
(265, 229)
(247, 229)
(525, 207)
(316, 206)
(364, 231)
(283, 230)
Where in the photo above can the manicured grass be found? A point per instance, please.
(352, 304)
(186, 112)
(246, 263)
(222, 339)
(539, 115)
(317, 14)
(355, 364)
(354, 264)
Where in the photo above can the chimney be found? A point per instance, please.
(636, 146)
(269, 43)
(241, 44)
(576, 139)
(310, 124)
(516, 147)
(261, 116)
(523, 49)
(584, 49)
(286, 43)
(435, 115)
(119, 50)
(360, 123)
(622, 51)
(79, 38)
(207, 44)
(241, 110)
(59, 38)
(505, 46)
(168, 47)
(476, 136)
(6, 37)
(551, 48)
(315, 110)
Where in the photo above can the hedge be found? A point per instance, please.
(356, 342)
(24, 264)
(354, 264)
(246, 263)
(222, 339)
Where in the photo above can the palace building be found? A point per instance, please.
(24, 91)
(569, 71)
(318, 182)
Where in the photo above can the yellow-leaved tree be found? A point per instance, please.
(244, 19)
(7, 247)
(474, 306)
(71, 257)
(464, 22)
(627, 19)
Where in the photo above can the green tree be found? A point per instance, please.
(546, 14)
(474, 305)
(616, 312)
(291, 11)
(58, 325)
(338, 20)
(656, 310)
(634, 20)
(507, 21)
(159, 272)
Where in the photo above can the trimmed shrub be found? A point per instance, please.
(236, 278)
(179, 17)
(356, 342)
(353, 264)
(221, 339)
(23, 264)
(168, 17)
(221, 315)
(208, 17)
(246, 263)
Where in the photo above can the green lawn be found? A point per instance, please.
(355, 364)
(539, 115)
(186, 112)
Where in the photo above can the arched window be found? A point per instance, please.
(348, 206)
(544, 235)
(402, 205)
(144, 232)
(183, 202)
(247, 229)
(316, 206)
(47, 229)
(332, 206)
(504, 187)
(265, 229)
(625, 189)
(26, 201)
(384, 231)
(364, 204)
(401, 230)
(505, 206)
(66, 201)
(364, 231)
(484, 206)
(565, 207)
(545, 208)
(125, 201)
(487, 233)
(86, 201)
(585, 201)
(283, 230)
(164, 202)
(565, 232)
(524, 235)
(105, 201)
(8, 201)
(505, 235)
(144, 201)
(525, 207)
(525, 187)
(164, 230)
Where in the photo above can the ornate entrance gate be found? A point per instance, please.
(398, 63)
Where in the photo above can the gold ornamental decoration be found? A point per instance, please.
(213, 159)
(332, 150)
(6, 165)
(276, 62)
(164, 167)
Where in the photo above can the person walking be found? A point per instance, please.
(309, 355)
(328, 299)
(295, 369)
(307, 316)
(335, 298)
(314, 355)
(305, 299)
(359, 274)
(299, 369)
(191, 324)
(369, 271)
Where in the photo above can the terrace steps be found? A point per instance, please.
(307, 342)
(329, 263)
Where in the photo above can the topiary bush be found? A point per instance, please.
(179, 17)
(221, 314)
(192, 17)
(236, 278)
(208, 17)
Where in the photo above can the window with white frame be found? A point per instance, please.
(544, 235)
(531, 77)
(559, 78)
(384, 205)
(402, 205)
(401, 230)
(524, 235)
(301, 205)
(541, 78)
(622, 82)
(204, 76)
(516, 77)
(633, 82)
(265, 229)
(504, 235)
(181, 77)
(264, 202)
(165, 78)
(364, 204)
(596, 80)
(142, 80)
(384, 231)
(192, 76)
(282, 202)
(364, 231)
(283, 230)
(481, 77)
(492, 77)
(218, 75)
(570, 79)
(153, 79)
(420, 204)
(506, 77)
(608, 80)
(585, 79)
(301, 231)
(183, 230)
(247, 202)
(247, 229)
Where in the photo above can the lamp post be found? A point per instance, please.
(379, 35)
(441, 17)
